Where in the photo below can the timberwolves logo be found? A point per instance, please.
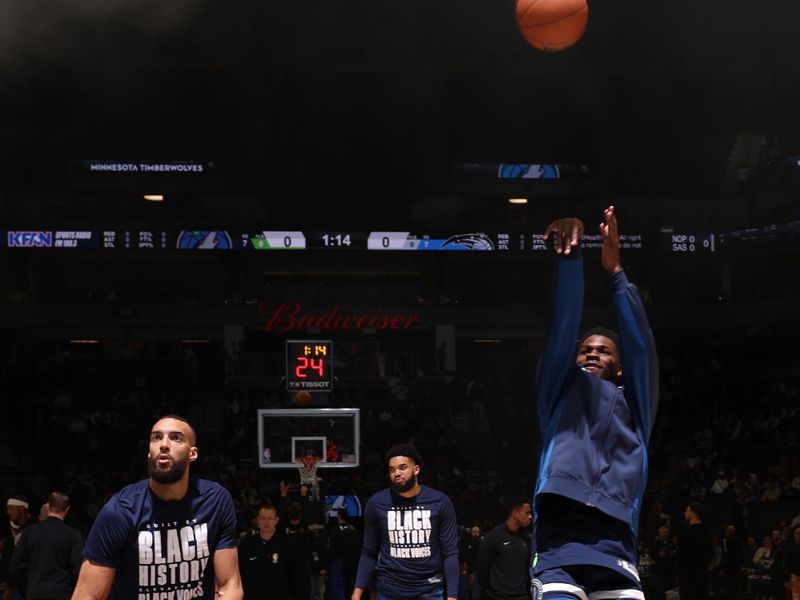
(204, 240)
(349, 502)
(468, 241)
(527, 171)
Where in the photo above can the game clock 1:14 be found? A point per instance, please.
(336, 239)
(308, 365)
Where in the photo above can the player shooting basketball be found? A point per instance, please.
(596, 412)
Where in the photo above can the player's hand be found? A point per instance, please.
(568, 233)
(284, 489)
(610, 232)
(356, 594)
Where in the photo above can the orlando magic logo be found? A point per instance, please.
(204, 240)
(468, 241)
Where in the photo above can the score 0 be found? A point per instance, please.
(308, 365)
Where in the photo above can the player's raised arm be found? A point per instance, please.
(637, 348)
(558, 358)
(610, 232)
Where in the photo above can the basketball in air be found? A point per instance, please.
(302, 398)
(552, 25)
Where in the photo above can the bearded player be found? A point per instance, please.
(168, 536)
(410, 536)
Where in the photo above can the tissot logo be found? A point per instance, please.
(30, 239)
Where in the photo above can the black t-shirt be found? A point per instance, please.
(695, 550)
(503, 562)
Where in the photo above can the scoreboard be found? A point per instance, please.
(666, 242)
(295, 240)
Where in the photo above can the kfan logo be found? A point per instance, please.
(30, 239)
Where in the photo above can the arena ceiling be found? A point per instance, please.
(364, 107)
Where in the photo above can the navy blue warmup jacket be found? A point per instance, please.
(593, 466)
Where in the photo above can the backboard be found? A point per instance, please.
(332, 434)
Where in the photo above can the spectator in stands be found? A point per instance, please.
(731, 566)
(721, 484)
(762, 559)
(777, 572)
(655, 519)
(714, 578)
(749, 551)
(772, 491)
(471, 549)
(345, 547)
(791, 561)
(19, 517)
(317, 561)
(294, 519)
(663, 551)
(695, 551)
(44, 512)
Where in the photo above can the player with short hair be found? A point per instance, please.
(410, 536)
(596, 413)
(502, 571)
(166, 536)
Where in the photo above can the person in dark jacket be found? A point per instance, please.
(596, 413)
(345, 547)
(47, 558)
(731, 572)
(695, 551)
(272, 565)
(504, 555)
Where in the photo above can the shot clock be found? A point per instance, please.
(308, 365)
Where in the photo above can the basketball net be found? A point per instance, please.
(307, 467)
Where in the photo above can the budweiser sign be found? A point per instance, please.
(282, 318)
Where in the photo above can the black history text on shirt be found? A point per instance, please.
(172, 560)
(409, 532)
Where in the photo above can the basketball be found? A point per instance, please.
(302, 398)
(552, 25)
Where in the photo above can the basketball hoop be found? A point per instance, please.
(307, 466)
